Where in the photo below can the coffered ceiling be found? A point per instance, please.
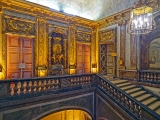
(90, 9)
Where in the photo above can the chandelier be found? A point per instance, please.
(141, 20)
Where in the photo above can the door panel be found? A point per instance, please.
(86, 58)
(110, 59)
(83, 58)
(103, 58)
(106, 60)
(19, 51)
(79, 58)
(13, 57)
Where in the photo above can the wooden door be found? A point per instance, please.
(110, 60)
(19, 57)
(83, 58)
(107, 61)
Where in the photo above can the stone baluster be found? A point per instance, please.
(24, 87)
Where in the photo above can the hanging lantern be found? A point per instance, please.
(142, 21)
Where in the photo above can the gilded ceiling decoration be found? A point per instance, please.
(90, 9)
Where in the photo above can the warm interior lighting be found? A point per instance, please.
(72, 69)
(41, 70)
(94, 68)
(141, 21)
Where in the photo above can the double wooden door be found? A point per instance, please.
(19, 57)
(107, 61)
(83, 58)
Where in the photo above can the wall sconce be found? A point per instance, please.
(114, 54)
(72, 69)
(94, 67)
(41, 70)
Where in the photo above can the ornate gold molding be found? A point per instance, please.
(120, 18)
(82, 36)
(41, 11)
(4, 56)
(18, 26)
(107, 36)
(41, 44)
(72, 45)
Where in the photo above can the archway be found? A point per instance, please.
(154, 54)
(68, 115)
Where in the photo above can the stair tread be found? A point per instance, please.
(118, 81)
(158, 110)
(149, 100)
(137, 93)
(154, 105)
(123, 84)
(132, 90)
(127, 87)
(142, 97)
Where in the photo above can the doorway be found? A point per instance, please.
(83, 58)
(19, 57)
(107, 61)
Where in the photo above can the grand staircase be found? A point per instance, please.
(148, 99)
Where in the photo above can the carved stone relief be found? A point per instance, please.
(19, 26)
(58, 46)
(83, 36)
(107, 36)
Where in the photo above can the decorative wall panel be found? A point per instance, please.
(130, 74)
(106, 111)
(72, 45)
(133, 52)
(19, 26)
(107, 36)
(82, 36)
(93, 49)
(103, 58)
(62, 41)
(122, 45)
(42, 43)
(83, 102)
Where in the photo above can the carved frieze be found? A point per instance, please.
(107, 36)
(18, 26)
(120, 18)
(83, 36)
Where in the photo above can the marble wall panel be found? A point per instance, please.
(84, 102)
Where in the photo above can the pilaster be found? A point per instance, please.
(72, 45)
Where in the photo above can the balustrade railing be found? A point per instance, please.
(132, 106)
(33, 85)
(21, 87)
(149, 76)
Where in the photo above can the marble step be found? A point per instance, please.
(128, 87)
(124, 84)
(132, 90)
(137, 93)
(149, 100)
(118, 81)
(154, 105)
(143, 97)
(158, 111)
